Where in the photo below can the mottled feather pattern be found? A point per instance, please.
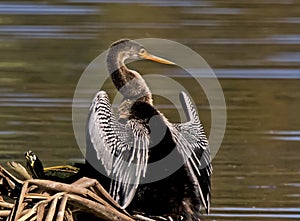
(121, 148)
(193, 145)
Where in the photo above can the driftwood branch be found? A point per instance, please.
(37, 199)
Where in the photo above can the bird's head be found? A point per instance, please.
(129, 49)
(30, 157)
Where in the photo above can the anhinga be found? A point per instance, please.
(121, 147)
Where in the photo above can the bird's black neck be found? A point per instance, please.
(128, 82)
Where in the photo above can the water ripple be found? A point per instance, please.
(286, 216)
(215, 11)
(161, 3)
(279, 39)
(291, 57)
(256, 212)
(239, 73)
(49, 31)
(292, 135)
(293, 184)
(18, 8)
(258, 209)
(35, 102)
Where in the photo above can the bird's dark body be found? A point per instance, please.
(173, 195)
(175, 192)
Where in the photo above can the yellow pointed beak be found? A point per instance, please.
(151, 57)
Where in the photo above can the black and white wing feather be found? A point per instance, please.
(122, 149)
(193, 145)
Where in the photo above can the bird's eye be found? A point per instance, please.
(142, 51)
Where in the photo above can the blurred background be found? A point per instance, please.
(253, 47)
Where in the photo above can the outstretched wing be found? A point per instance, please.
(193, 145)
(122, 149)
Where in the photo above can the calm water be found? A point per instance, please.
(254, 48)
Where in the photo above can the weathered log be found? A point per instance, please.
(4, 213)
(19, 169)
(98, 209)
(62, 208)
(20, 205)
(85, 182)
(6, 205)
(62, 187)
(40, 212)
(52, 209)
(50, 200)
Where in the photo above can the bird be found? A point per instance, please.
(121, 147)
(63, 173)
(34, 165)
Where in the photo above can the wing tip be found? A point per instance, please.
(101, 94)
(207, 208)
(183, 96)
(188, 107)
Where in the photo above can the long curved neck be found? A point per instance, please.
(128, 82)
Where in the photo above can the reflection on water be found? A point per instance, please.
(30, 8)
(247, 73)
(284, 135)
(244, 213)
(253, 47)
(50, 31)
